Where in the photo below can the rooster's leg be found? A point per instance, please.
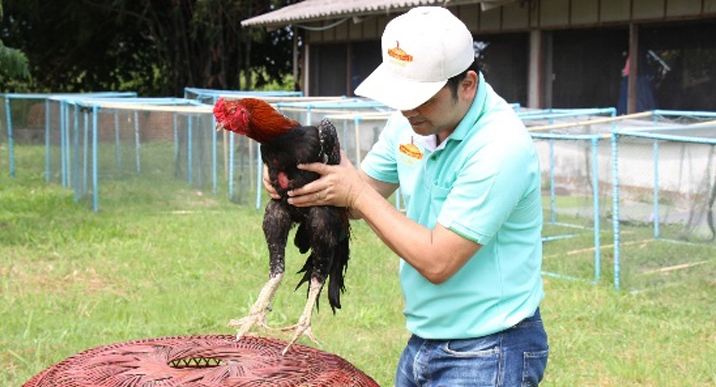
(257, 315)
(303, 326)
(277, 223)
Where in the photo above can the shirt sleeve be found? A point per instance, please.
(489, 188)
(380, 163)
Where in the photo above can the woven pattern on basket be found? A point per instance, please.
(202, 361)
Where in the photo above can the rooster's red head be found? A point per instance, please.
(251, 117)
(230, 115)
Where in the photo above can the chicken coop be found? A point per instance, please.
(101, 141)
(110, 142)
(627, 195)
(663, 194)
(26, 120)
(573, 159)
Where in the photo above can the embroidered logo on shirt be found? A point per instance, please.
(400, 55)
(411, 150)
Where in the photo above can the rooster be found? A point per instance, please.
(322, 230)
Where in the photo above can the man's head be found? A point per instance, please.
(421, 50)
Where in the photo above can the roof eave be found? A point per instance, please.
(291, 15)
(258, 21)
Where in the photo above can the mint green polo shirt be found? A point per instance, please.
(482, 182)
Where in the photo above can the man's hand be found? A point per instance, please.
(267, 184)
(339, 185)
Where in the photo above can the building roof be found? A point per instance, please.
(314, 10)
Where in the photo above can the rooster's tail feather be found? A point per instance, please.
(330, 146)
(338, 265)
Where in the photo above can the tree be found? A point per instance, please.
(13, 62)
(154, 47)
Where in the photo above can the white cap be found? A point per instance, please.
(421, 49)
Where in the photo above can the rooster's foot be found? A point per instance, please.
(245, 324)
(302, 328)
(257, 314)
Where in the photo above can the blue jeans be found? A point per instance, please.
(515, 357)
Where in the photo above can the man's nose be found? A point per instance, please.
(409, 113)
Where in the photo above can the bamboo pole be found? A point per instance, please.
(673, 268)
(590, 122)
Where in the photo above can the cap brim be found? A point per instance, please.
(396, 92)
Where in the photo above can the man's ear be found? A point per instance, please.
(468, 86)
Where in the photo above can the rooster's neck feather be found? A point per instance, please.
(265, 122)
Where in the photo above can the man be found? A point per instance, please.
(470, 241)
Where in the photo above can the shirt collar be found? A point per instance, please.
(473, 114)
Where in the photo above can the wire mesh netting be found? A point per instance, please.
(26, 121)
(107, 142)
(666, 187)
(202, 361)
(574, 151)
(630, 197)
(575, 202)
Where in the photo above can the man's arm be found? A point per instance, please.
(382, 188)
(437, 254)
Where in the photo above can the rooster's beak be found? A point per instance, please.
(219, 127)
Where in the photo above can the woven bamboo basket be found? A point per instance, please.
(202, 361)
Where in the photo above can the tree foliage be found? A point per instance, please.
(13, 62)
(154, 47)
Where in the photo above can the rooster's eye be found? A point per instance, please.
(232, 111)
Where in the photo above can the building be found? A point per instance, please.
(538, 53)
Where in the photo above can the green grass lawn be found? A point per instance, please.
(160, 259)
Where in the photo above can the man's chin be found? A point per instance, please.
(421, 128)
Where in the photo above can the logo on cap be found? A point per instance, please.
(398, 53)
